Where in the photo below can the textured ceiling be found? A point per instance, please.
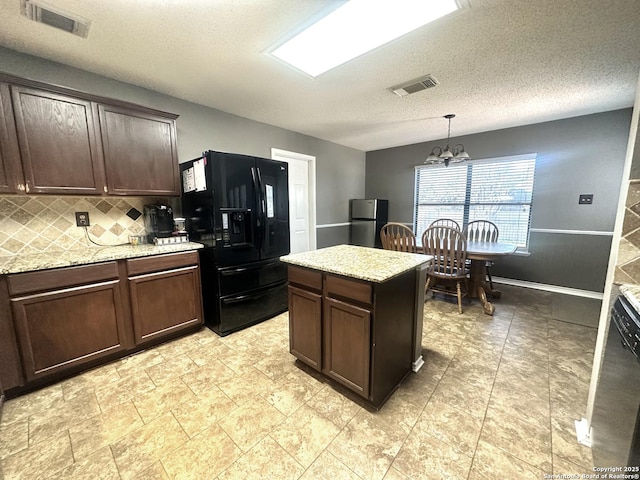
(500, 63)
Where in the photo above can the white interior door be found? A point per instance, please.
(302, 225)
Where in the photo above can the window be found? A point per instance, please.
(499, 190)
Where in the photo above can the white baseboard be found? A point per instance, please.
(549, 288)
(583, 433)
(417, 364)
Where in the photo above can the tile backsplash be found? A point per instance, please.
(45, 223)
(628, 263)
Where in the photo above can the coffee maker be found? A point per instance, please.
(158, 221)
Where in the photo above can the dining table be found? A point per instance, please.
(480, 253)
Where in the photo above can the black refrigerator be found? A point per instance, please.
(237, 206)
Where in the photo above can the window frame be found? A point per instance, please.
(467, 205)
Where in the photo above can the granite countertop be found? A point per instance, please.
(84, 256)
(370, 264)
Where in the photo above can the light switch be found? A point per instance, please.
(585, 199)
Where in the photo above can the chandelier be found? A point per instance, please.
(439, 156)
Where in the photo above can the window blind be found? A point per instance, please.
(499, 190)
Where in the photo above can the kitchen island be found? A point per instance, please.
(355, 315)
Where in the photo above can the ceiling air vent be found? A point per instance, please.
(413, 86)
(42, 13)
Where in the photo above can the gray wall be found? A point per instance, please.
(339, 170)
(577, 155)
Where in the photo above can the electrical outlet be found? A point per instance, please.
(82, 219)
(585, 199)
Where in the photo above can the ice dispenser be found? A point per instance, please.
(236, 227)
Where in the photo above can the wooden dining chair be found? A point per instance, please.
(398, 237)
(483, 231)
(448, 246)
(445, 222)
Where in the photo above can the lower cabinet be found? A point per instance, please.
(67, 327)
(67, 319)
(356, 333)
(305, 319)
(165, 295)
(347, 344)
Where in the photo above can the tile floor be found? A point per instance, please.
(497, 398)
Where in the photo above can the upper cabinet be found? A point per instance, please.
(58, 141)
(139, 151)
(11, 178)
(57, 138)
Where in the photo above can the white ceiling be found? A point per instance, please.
(500, 63)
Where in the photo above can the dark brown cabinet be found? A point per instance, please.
(59, 141)
(165, 295)
(65, 318)
(140, 152)
(11, 374)
(347, 340)
(57, 322)
(305, 319)
(11, 178)
(58, 146)
(356, 333)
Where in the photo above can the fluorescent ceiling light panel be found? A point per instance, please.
(355, 28)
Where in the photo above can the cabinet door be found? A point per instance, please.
(11, 178)
(57, 141)
(62, 329)
(139, 151)
(164, 303)
(347, 345)
(305, 321)
(10, 364)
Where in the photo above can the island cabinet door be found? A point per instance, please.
(347, 345)
(305, 326)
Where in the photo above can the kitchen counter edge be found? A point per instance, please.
(85, 256)
(363, 263)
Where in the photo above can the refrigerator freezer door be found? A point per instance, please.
(364, 209)
(240, 311)
(242, 278)
(363, 233)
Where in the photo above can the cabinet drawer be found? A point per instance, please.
(29, 282)
(347, 288)
(306, 277)
(156, 263)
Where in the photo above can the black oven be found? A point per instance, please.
(615, 423)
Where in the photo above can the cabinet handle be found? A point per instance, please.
(26, 187)
(105, 189)
(20, 187)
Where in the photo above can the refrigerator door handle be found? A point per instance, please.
(250, 296)
(263, 210)
(239, 270)
(257, 188)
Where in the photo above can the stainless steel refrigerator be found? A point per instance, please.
(367, 217)
(237, 206)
